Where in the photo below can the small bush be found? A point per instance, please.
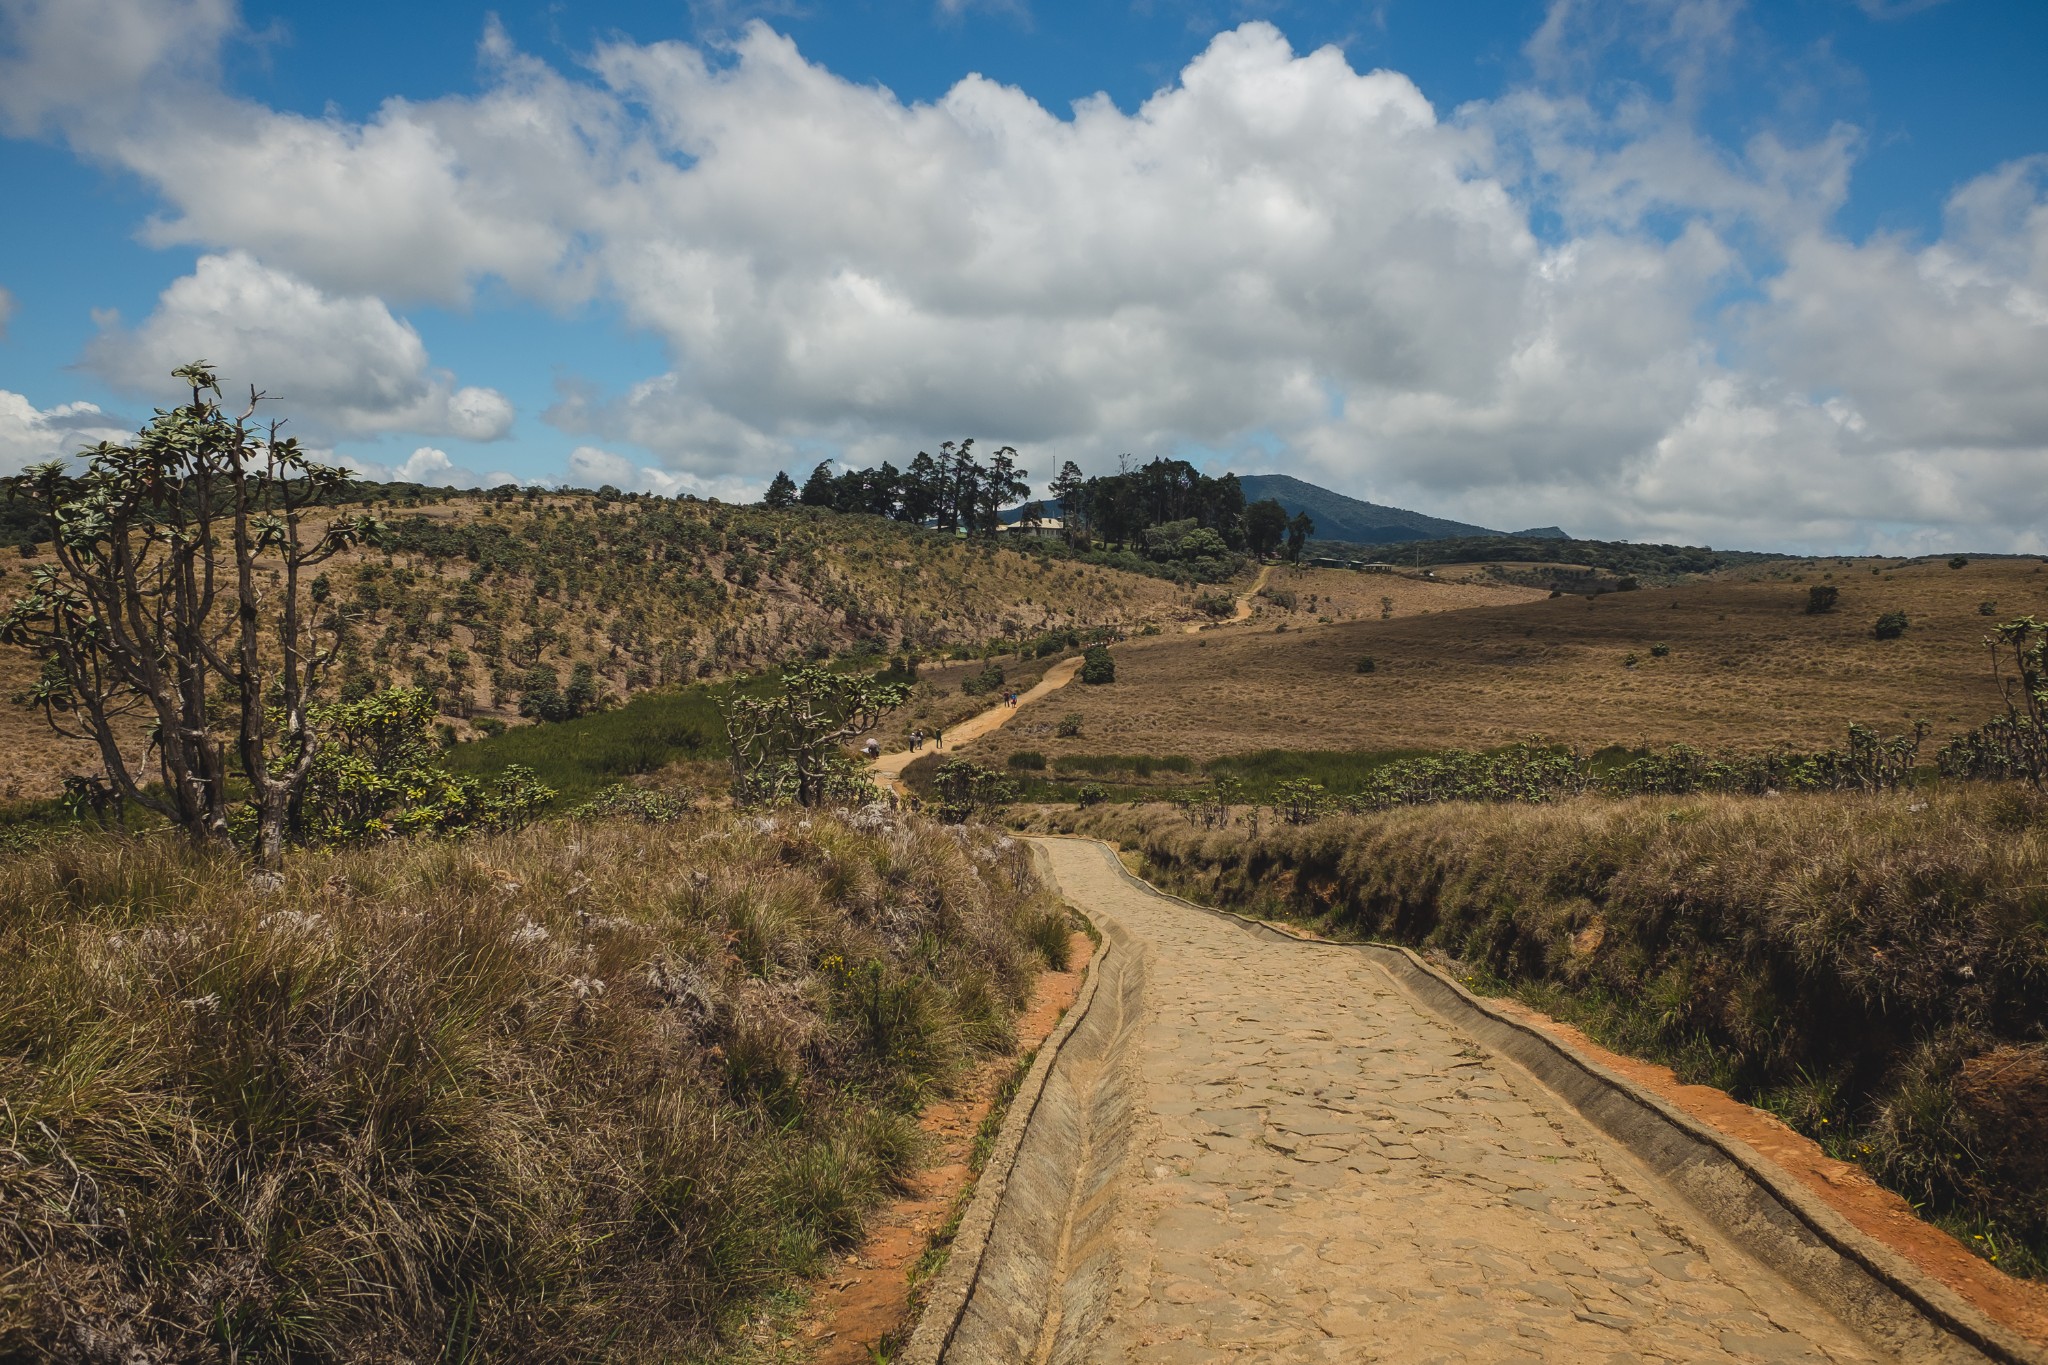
(1097, 667)
(1091, 795)
(1660, 651)
(1629, 660)
(1890, 626)
(1958, 562)
(1626, 585)
(1988, 607)
(1822, 597)
(1069, 725)
(990, 679)
(1028, 758)
(1365, 663)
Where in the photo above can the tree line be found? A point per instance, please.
(1163, 509)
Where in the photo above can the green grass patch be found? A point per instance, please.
(1341, 771)
(580, 757)
(1123, 765)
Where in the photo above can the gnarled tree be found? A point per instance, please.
(174, 600)
(791, 739)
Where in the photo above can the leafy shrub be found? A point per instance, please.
(1029, 759)
(989, 679)
(1988, 607)
(961, 790)
(1890, 626)
(1091, 795)
(1660, 651)
(1216, 604)
(1365, 663)
(1068, 726)
(377, 774)
(1821, 598)
(1958, 562)
(1097, 667)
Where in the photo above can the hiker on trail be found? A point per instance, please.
(939, 739)
(873, 749)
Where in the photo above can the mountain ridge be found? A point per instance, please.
(1339, 516)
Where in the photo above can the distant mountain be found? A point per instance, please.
(1361, 523)
(1338, 517)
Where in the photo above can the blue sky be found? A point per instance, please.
(1675, 269)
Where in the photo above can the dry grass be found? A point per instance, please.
(1748, 670)
(1872, 968)
(583, 1092)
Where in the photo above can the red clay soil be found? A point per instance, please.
(2021, 1305)
(866, 1299)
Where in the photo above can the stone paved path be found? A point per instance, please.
(1329, 1172)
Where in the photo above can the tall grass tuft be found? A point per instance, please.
(582, 1091)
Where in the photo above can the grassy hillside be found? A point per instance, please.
(586, 1092)
(1873, 969)
(1744, 668)
(475, 591)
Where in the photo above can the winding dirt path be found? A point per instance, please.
(888, 769)
(1243, 610)
(1325, 1170)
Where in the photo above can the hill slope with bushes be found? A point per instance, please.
(510, 607)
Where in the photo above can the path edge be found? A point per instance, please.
(946, 1302)
(1759, 1207)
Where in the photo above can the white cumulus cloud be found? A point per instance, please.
(1277, 259)
(31, 435)
(428, 465)
(336, 365)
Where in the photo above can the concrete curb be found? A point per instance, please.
(1031, 1267)
(1763, 1210)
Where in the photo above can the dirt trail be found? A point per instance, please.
(888, 769)
(1326, 1171)
(1243, 610)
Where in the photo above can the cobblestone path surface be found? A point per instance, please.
(1327, 1171)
